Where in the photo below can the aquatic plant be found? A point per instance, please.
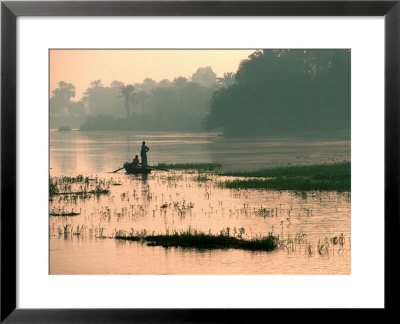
(320, 171)
(64, 214)
(335, 176)
(53, 188)
(265, 212)
(99, 190)
(285, 183)
(323, 246)
(200, 240)
(201, 178)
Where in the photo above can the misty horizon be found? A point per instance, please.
(80, 67)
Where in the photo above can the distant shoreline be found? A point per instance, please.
(345, 135)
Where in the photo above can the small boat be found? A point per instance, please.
(135, 169)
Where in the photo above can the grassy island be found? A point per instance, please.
(200, 240)
(335, 177)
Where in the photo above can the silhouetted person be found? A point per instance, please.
(143, 154)
(136, 161)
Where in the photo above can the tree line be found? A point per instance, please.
(273, 93)
(180, 104)
(285, 92)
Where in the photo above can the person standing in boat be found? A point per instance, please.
(143, 154)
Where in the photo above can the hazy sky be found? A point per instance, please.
(79, 67)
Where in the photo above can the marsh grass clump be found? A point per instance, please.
(284, 183)
(72, 213)
(65, 230)
(174, 177)
(53, 188)
(338, 240)
(99, 190)
(138, 236)
(200, 240)
(79, 178)
(61, 212)
(78, 186)
(80, 230)
(265, 212)
(317, 171)
(202, 178)
(58, 185)
(323, 246)
(329, 177)
(190, 166)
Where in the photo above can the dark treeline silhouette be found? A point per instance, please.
(286, 93)
(180, 104)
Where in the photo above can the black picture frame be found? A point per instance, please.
(10, 10)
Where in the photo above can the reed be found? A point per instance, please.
(328, 177)
(317, 171)
(64, 214)
(200, 240)
(283, 183)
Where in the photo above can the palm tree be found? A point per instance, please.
(142, 96)
(125, 91)
(227, 80)
(96, 83)
(67, 89)
(63, 95)
(91, 90)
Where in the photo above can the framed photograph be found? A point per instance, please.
(197, 161)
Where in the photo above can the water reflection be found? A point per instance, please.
(175, 202)
(105, 151)
(308, 223)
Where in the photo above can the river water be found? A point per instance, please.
(315, 228)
